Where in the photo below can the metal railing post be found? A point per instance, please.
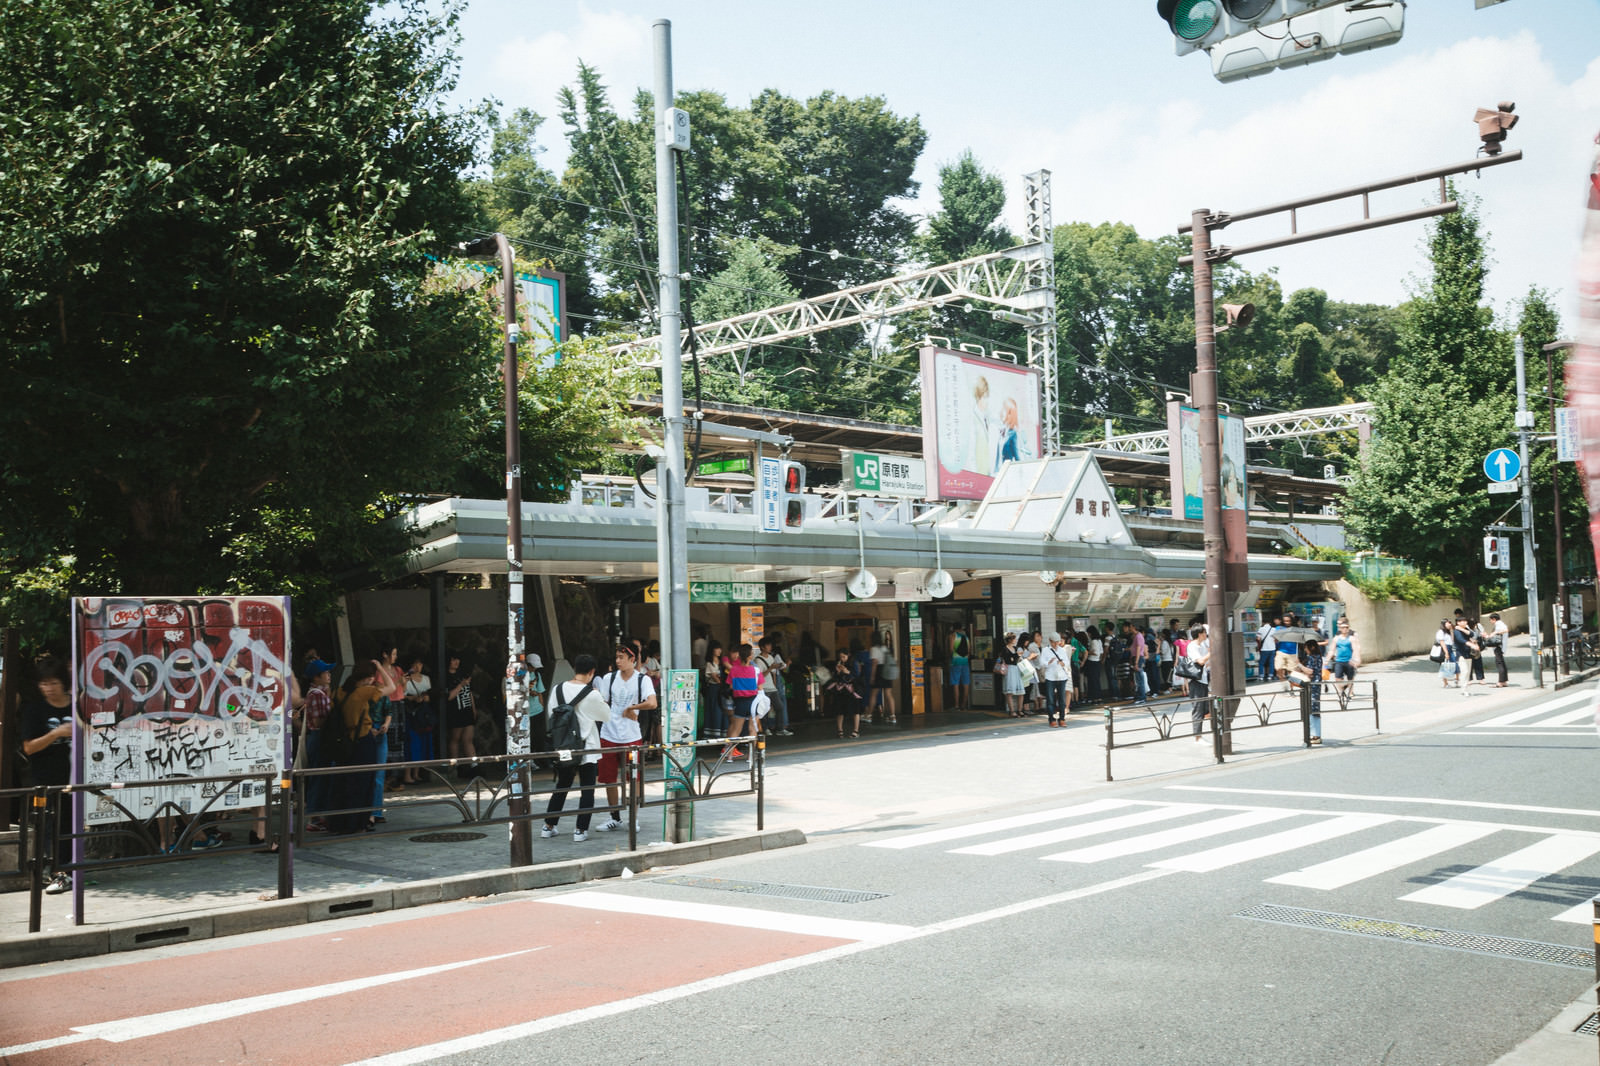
(758, 768)
(1376, 725)
(1305, 712)
(1596, 903)
(1110, 742)
(635, 770)
(286, 828)
(36, 820)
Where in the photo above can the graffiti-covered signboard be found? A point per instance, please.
(177, 687)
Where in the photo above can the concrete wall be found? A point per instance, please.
(1393, 628)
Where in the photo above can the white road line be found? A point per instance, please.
(1387, 799)
(719, 914)
(1582, 714)
(478, 1041)
(1512, 873)
(1533, 712)
(1582, 914)
(962, 832)
(124, 1029)
(1089, 829)
(1579, 731)
(1272, 844)
(1357, 866)
(1168, 838)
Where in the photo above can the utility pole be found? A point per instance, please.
(1550, 351)
(1530, 560)
(672, 542)
(1225, 554)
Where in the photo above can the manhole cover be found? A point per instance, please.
(1477, 943)
(763, 888)
(1590, 1026)
(446, 838)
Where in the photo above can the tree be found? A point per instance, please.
(1444, 404)
(217, 328)
(968, 220)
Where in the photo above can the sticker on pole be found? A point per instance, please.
(1502, 464)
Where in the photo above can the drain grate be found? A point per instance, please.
(446, 838)
(763, 888)
(1590, 1026)
(1476, 943)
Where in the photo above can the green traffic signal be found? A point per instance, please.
(1190, 19)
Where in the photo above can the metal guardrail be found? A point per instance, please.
(1579, 652)
(1220, 718)
(691, 773)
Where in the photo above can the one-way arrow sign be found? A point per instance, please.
(1502, 464)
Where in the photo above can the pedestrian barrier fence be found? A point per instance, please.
(690, 773)
(1220, 718)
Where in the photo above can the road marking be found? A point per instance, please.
(1582, 914)
(1582, 714)
(1388, 799)
(1512, 873)
(1533, 712)
(1075, 832)
(478, 1041)
(720, 914)
(1272, 844)
(125, 1029)
(1531, 731)
(1357, 866)
(962, 832)
(1116, 849)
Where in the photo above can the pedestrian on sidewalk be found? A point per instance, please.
(769, 661)
(1199, 689)
(846, 697)
(591, 709)
(885, 676)
(1311, 651)
(314, 715)
(713, 690)
(1286, 659)
(1498, 635)
(1466, 649)
(419, 720)
(392, 683)
(628, 693)
(1010, 657)
(1091, 672)
(1267, 649)
(960, 671)
(1057, 660)
(461, 712)
(744, 680)
(47, 745)
(1346, 659)
(359, 713)
(1444, 651)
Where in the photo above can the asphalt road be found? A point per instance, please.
(1412, 900)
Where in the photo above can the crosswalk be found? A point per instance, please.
(1203, 837)
(1568, 715)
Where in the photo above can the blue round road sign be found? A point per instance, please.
(1502, 464)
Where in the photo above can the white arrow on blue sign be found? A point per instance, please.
(1502, 464)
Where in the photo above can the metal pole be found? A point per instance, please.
(1530, 562)
(672, 563)
(1555, 494)
(521, 830)
(1205, 399)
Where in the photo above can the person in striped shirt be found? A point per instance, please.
(745, 680)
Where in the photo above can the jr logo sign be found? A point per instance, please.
(866, 471)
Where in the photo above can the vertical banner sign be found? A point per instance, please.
(174, 688)
(752, 624)
(769, 494)
(1566, 436)
(916, 659)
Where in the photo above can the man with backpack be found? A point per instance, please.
(628, 693)
(576, 711)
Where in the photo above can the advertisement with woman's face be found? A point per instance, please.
(976, 415)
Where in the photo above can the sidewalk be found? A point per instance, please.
(817, 784)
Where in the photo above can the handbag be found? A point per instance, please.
(1187, 668)
(1437, 654)
(1030, 673)
(761, 704)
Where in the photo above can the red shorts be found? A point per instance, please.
(607, 773)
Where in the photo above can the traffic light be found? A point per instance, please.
(1312, 36)
(794, 496)
(1496, 553)
(1492, 125)
(1192, 22)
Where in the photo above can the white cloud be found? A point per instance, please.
(528, 71)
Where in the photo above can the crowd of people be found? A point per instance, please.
(1460, 644)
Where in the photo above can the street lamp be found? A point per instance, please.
(516, 683)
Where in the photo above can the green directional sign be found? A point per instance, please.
(739, 464)
(727, 592)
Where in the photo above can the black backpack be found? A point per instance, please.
(566, 732)
(336, 744)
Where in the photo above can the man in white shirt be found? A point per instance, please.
(592, 710)
(1200, 652)
(1266, 649)
(1057, 662)
(627, 692)
(770, 662)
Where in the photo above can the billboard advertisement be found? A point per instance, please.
(976, 414)
(1185, 462)
(180, 687)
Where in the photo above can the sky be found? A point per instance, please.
(1092, 91)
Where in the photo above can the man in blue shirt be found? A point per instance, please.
(1288, 654)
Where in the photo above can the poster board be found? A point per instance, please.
(180, 687)
(976, 415)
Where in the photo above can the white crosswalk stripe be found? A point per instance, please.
(1522, 716)
(1556, 849)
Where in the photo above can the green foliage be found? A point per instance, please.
(967, 222)
(1443, 406)
(216, 328)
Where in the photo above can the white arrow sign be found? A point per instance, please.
(1502, 464)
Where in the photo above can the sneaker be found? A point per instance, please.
(548, 831)
(1316, 740)
(611, 826)
(734, 754)
(58, 884)
(207, 842)
(580, 837)
(785, 733)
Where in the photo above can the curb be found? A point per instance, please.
(303, 910)
(1577, 679)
